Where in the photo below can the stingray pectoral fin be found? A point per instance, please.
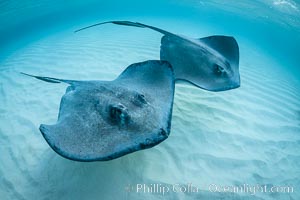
(46, 132)
(129, 23)
(147, 71)
(49, 79)
(226, 46)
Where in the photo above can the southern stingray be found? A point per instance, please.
(211, 63)
(103, 120)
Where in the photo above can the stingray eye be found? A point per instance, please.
(119, 114)
(219, 70)
(139, 99)
(70, 88)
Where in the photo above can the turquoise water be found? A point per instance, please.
(249, 135)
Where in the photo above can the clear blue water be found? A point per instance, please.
(250, 135)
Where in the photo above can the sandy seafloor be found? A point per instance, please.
(249, 135)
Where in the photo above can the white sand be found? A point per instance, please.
(248, 135)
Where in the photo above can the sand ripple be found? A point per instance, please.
(248, 135)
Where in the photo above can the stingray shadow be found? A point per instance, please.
(66, 179)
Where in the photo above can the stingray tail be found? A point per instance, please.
(128, 23)
(49, 79)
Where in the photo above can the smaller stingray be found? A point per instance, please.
(211, 63)
(103, 120)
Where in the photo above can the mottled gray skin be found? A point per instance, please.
(210, 63)
(195, 61)
(103, 120)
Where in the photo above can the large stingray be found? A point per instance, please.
(211, 63)
(103, 120)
